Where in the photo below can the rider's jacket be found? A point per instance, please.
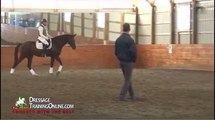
(43, 33)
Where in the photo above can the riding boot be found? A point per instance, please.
(44, 51)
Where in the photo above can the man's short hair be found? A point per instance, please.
(126, 27)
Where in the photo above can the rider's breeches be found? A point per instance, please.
(43, 40)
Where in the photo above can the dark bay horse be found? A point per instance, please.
(28, 50)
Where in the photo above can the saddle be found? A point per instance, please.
(40, 45)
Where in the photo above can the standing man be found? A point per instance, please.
(125, 51)
(43, 35)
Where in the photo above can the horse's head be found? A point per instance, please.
(71, 41)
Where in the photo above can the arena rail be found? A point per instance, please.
(195, 57)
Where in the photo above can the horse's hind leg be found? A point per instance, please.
(29, 65)
(12, 70)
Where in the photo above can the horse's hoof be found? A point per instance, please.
(12, 71)
(36, 75)
(57, 73)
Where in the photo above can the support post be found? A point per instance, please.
(82, 24)
(62, 24)
(153, 19)
(137, 25)
(122, 21)
(94, 25)
(153, 23)
(106, 31)
(58, 24)
(72, 23)
(48, 21)
(194, 23)
(172, 14)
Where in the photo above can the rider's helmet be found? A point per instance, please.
(44, 22)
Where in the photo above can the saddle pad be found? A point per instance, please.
(39, 45)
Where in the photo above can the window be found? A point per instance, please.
(67, 16)
(183, 14)
(101, 20)
(183, 17)
(2, 17)
(24, 19)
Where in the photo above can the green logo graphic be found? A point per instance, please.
(21, 103)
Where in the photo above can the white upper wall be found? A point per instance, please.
(145, 7)
(80, 6)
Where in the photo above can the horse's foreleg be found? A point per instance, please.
(61, 65)
(12, 70)
(29, 66)
(51, 66)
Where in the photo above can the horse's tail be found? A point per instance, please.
(16, 53)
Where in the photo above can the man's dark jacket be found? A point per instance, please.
(125, 48)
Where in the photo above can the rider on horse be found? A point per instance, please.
(43, 35)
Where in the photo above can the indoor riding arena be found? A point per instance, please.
(173, 74)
